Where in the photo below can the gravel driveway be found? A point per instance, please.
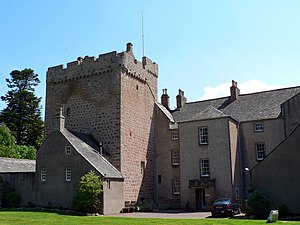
(164, 214)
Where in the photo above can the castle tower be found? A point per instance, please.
(111, 97)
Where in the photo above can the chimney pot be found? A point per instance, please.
(165, 99)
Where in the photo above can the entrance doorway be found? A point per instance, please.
(200, 198)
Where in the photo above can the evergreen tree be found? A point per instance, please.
(6, 136)
(23, 112)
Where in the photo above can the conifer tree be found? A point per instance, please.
(23, 112)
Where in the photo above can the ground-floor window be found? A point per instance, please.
(68, 175)
(176, 186)
(43, 174)
(260, 151)
(204, 168)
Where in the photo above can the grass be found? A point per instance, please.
(44, 218)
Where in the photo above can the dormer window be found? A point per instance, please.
(258, 127)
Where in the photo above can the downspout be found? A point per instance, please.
(242, 169)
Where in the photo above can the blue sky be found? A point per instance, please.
(199, 45)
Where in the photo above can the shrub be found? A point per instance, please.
(88, 193)
(10, 198)
(259, 204)
(284, 210)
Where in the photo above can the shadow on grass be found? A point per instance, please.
(63, 212)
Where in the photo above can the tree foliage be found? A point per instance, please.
(9, 149)
(6, 136)
(23, 112)
(88, 193)
(259, 204)
(18, 151)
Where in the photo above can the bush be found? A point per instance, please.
(10, 198)
(88, 193)
(284, 211)
(259, 204)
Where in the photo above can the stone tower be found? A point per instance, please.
(111, 97)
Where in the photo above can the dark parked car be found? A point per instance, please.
(225, 206)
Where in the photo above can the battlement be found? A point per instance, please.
(107, 62)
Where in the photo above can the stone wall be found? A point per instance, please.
(23, 183)
(112, 98)
(278, 173)
(166, 171)
(217, 151)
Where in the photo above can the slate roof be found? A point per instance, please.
(248, 107)
(90, 154)
(165, 111)
(11, 165)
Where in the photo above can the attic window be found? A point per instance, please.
(68, 150)
(259, 127)
(174, 135)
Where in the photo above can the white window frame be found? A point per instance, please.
(259, 127)
(174, 135)
(260, 149)
(43, 175)
(175, 157)
(203, 135)
(204, 168)
(176, 186)
(68, 175)
(68, 150)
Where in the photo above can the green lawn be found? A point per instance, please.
(41, 218)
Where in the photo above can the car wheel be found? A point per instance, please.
(213, 215)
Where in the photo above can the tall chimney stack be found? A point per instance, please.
(234, 91)
(58, 122)
(180, 99)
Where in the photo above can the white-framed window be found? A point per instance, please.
(258, 127)
(204, 168)
(176, 186)
(175, 157)
(143, 168)
(68, 175)
(174, 135)
(68, 150)
(260, 151)
(203, 136)
(43, 174)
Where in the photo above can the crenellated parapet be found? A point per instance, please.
(105, 63)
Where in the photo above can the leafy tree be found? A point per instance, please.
(88, 192)
(259, 204)
(23, 112)
(9, 149)
(18, 151)
(6, 136)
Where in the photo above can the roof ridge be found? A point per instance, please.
(273, 90)
(253, 93)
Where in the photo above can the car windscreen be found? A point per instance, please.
(222, 202)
